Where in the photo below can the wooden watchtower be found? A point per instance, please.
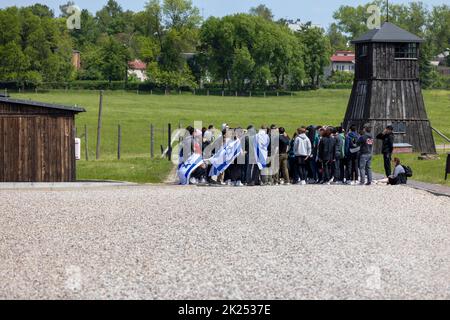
(386, 89)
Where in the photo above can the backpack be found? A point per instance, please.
(408, 171)
(354, 148)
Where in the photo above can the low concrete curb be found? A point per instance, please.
(436, 189)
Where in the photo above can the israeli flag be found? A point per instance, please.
(225, 157)
(261, 149)
(186, 168)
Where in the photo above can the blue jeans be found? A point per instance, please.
(365, 167)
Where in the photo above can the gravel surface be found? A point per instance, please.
(158, 242)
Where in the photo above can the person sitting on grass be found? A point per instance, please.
(399, 176)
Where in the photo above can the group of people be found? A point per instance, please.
(313, 155)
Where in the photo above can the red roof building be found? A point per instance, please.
(342, 61)
(137, 65)
(138, 69)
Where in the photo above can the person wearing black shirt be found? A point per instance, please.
(283, 147)
(387, 136)
(326, 155)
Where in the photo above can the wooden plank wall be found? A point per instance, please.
(387, 90)
(36, 147)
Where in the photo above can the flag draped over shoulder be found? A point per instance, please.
(186, 168)
(261, 148)
(225, 157)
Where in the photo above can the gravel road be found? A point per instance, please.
(170, 242)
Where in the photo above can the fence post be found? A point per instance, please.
(207, 92)
(223, 93)
(99, 125)
(250, 94)
(152, 141)
(151, 92)
(86, 149)
(264, 94)
(169, 140)
(119, 141)
(278, 94)
(6, 92)
(19, 90)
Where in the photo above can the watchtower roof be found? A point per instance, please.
(388, 32)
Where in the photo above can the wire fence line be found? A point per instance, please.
(121, 141)
(162, 92)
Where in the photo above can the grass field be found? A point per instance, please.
(426, 171)
(135, 113)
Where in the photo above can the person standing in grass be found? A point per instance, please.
(387, 136)
(303, 149)
(365, 162)
(283, 155)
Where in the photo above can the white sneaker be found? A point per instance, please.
(203, 181)
(239, 184)
(229, 183)
(303, 182)
(193, 181)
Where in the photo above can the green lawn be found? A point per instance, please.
(135, 113)
(432, 171)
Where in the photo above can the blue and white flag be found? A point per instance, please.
(225, 157)
(186, 168)
(261, 148)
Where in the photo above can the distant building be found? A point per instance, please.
(138, 69)
(440, 63)
(341, 61)
(76, 59)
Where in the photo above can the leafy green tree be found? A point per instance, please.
(218, 38)
(262, 11)
(89, 32)
(114, 59)
(42, 11)
(438, 31)
(13, 62)
(242, 68)
(338, 40)
(111, 18)
(317, 52)
(181, 14)
(352, 20)
(10, 25)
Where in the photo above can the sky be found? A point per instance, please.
(320, 12)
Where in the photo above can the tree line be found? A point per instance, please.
(245, 51)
